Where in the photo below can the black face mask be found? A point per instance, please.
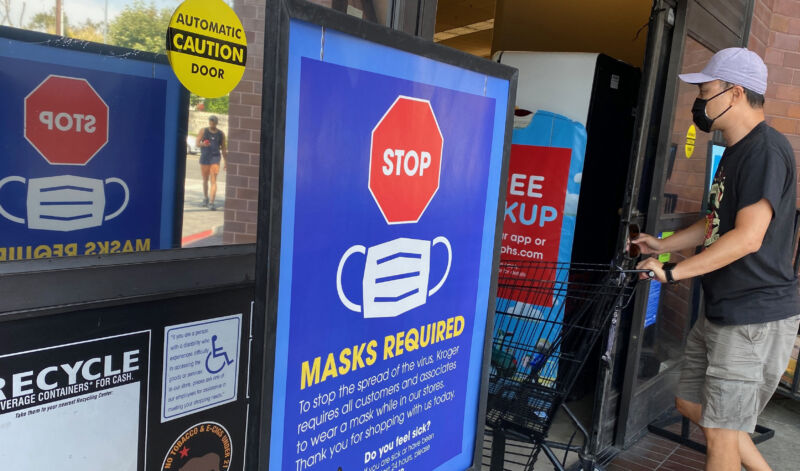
(701, 119)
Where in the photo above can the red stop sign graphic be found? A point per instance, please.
(66, 120)
(405, 160)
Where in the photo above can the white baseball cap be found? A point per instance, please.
(736, 65)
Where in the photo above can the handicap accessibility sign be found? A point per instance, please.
(201, 366)
(217, 357)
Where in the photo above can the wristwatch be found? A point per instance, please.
(667, 267)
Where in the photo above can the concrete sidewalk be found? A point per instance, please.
(201, 226)
(652, 452)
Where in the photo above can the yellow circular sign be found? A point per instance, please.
(691, 136)
(206, 46)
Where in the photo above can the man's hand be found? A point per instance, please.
(649, 244)
(654, 265)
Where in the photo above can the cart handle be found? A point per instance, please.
(650, 273)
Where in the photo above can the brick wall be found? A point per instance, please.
(775, 35)
(244, 136)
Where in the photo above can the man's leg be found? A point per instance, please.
(752, 460)
(205, 171)
(213, 171)
(723, 450)
(730, 398)
(749, 454)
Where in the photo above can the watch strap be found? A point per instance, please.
(667, 267)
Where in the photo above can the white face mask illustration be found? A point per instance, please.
(65, 203)
(395, 277)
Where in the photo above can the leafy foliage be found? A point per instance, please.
(217, 105)
(46, 22)
(140, 26)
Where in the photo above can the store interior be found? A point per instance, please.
(595, 84)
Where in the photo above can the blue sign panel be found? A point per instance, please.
(653, 302)
(391, 180)
(548, 129)
(716, 157)
(89, 145)
(561, 174)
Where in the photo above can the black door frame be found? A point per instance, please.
(708, 22)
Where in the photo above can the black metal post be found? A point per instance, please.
(498, 449)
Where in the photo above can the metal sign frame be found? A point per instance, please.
(278, 15)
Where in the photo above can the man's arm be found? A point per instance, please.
(223, 150)
(745, 238)
(199, 140)
(687, 238)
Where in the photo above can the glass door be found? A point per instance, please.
(674, 161)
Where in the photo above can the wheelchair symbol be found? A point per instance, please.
(216, 353)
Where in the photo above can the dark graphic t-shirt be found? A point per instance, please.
(762, 286)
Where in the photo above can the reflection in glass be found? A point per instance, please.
(140, 26)
(688, 150)
(670, 307)
(375, 11)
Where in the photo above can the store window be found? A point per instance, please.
(670, 307)
(375, 11)
(104, 150)
(689, 147)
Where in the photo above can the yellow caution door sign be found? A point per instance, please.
(691, 136)
(207, 47)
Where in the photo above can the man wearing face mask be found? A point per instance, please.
(736, 352)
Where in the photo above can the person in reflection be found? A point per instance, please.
(739, 347)
(213, 149)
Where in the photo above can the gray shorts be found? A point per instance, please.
(733, 370)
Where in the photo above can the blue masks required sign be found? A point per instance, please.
(89, 145)
(391, 184)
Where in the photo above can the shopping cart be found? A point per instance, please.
(549, 317)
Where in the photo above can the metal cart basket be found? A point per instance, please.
(549, 317)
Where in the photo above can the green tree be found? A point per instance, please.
(141, 26)
(88, 31)
(212, 105)
(194, 100)
(217, 105)
(46, 22)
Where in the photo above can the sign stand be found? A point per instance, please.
(374, 283)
